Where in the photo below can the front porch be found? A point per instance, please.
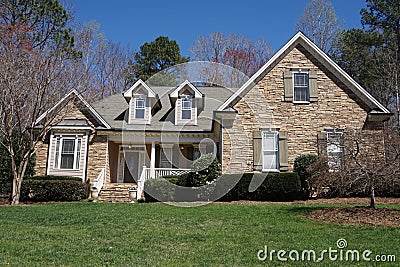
(130, 164)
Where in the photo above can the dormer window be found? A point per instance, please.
(140, 107)
(186, 108)
(142, 102)
(188, 102)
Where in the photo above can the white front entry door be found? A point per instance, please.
(130, 164)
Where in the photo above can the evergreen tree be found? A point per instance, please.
(155, 56)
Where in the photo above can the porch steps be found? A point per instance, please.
(116, 193)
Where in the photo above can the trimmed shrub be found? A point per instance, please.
(301, 166)
(274, 187)
(172, 180)
(53, 190)
(53, 177)
(158, 190)
(204, 170)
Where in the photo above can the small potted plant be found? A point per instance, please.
(132, 193)
(95, 194)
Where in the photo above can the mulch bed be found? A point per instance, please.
(358, 215)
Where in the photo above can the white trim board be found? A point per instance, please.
(197, 93)
(150, 92)
(90, 108)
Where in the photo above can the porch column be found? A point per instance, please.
(152, 159)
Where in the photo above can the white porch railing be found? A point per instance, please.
(158, 173)
(99, 181)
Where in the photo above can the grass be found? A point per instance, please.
(101, 234)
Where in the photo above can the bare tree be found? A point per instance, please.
(233, 50)
(103, 65)
(320, 23)
(31, 80)
(369, 166)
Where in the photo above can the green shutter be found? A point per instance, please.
(283, 151)
(322, 145)
(257, 151)
(288, 81)
(313, 86)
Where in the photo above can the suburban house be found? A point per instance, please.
(300, 96)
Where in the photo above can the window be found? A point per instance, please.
(68, 153)
(335, 148)
(186, 108)
(140, 104)
(166, 157)
(270, 147)
(301, 87)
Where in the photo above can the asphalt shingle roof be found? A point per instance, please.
(113, 109)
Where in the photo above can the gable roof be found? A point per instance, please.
(150, 92)
(197, 93)
(75, 93)
(313, 49)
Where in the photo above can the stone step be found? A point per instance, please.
(116, 192)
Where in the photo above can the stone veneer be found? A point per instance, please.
(97, 157)
(263, 106)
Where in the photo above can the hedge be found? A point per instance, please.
(36, 190)
(54, 177)
(159, 190)
(274, 187)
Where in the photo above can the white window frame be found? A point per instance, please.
(141, 99)
(77, 152)
(335, 151)
(275, 151)
(183, 108)
(306, 86)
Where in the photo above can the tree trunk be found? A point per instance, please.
(16, 190)
(372, 204)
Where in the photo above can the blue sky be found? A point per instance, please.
(133, 23)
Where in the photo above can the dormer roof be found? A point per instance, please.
(186, 83)
(137, 86)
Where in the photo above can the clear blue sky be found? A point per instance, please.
(134, 22)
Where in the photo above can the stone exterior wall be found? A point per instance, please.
(41, 158)
(98, 157)
(264, 106)
(72, 110)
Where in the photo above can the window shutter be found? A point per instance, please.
(313, 86)
(322, 145)
(283, 151)
(257, 151)
(288, 81)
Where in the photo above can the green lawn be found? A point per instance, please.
(100, 234)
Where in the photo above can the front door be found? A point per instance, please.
(130, 164)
